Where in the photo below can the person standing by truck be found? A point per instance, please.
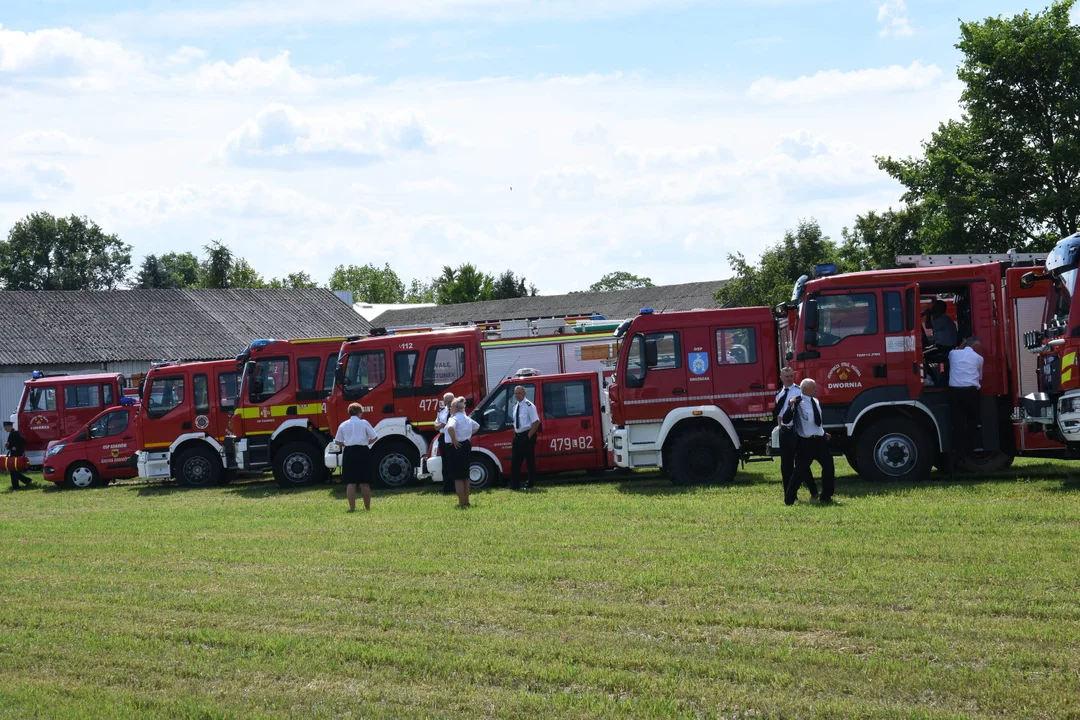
(460, 427)
(16, 447)
(965, 384)
(355, 436)
(526, 426)
(788, 438)
(804, 412)
(441, 419)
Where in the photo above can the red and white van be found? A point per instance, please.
(97, 453)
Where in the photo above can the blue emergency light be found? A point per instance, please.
(261, 343)
(646, 311)
(128, 401)
(825, 270)
(37, 375)
(597, 317)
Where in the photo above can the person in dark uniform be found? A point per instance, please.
(788, 437)
(526, 426)
(355, 436)
(16, 447)
(804, 413)
(944, 339)
(441, 421)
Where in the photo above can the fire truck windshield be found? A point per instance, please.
(1062, 263)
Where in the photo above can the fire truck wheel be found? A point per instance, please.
(851, 455)
(395, 465)
(894, 448)
(298, 464)
(81, 475)
(703, 456)
(482, 472)
(986, 462)
(197, 467)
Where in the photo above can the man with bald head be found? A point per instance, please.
(804, 415)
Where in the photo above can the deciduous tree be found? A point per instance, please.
(43, 252)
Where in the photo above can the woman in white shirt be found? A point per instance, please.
(355, 435)
(444, 440)
(459, 428)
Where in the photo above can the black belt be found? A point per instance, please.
(523, 432)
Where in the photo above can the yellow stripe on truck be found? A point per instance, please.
(1069, 359)
(306, 409)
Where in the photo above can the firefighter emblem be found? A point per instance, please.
(202, 422)
(844, 375)
(264, 412)
(698, 362)
(115, 453)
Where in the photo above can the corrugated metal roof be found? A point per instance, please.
(615, 304)
(42, 328)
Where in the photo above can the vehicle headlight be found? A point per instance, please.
(1069, 404)
(618, 442)
(55, 449)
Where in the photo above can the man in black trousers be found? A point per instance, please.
(526, 425)
(16, 447)
(804, 414)
(965, 383)
(788, 438)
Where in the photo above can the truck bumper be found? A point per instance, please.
(153, 465)
(644, 454)
(1068, 416)
(1038, 408)
(430, 469)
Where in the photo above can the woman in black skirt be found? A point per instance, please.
(460, 427)
(355, 435)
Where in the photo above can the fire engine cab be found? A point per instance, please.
(180, 427)
(693, 391)
(56, 406)
(573, 426)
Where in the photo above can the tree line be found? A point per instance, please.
(1006, 175)
(43, 252)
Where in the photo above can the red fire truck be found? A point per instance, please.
(400, 380)
(98, 453)
(693, 391)
(56, 406)
(180, 427)
(573, 426)
(280, 420)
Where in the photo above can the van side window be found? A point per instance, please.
(405, 368)
(82, 396)
(40, 399)
(108, 425)
(736, 346)
(107, 395)
(567, 399)
(496, 412)
(444, 365)
(844, 316)
(201, 391)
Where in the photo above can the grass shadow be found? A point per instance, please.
(654, 483)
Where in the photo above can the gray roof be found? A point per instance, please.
(43, 328)
(614, 304)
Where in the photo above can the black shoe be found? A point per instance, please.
(788, 502)
(825, 501)
(813, 496)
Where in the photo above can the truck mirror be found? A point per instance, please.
(339, 374)
(810, 336)
(789, 356)
(810, 321)
(650, 354)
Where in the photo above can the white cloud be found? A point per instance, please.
(801, 145)
(53, 142)
(62, 54)
(252, 73)
(281, 136)
(185, 55)
(675, 156)
(831, 84)
(32, 181)
(567, 184)
(435, 185)
(251, 200)
(893, 16)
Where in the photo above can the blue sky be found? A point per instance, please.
(649, 136)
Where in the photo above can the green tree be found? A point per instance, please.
(294, 281)
(182, 268)
(369, 283)
(620, 280)
(216, 267)
(242, 275)
(876, 239)
(421, 292)
(508, 285)
(463, 284)
(151, 275)
(43, 252)
(772, 279)
(1006, 174)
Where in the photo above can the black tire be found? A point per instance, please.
(851, 455)
(395, 465)
(894, 449)
(298, 464)
(984, 463)
(81, 475)
(943, 463)
(702, 457)
(482, 472)
(198, 466)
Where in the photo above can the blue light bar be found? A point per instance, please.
(646, 311)
(128, 401)
(825, 270)
(261, 343)
(597, 317)
(37, 374)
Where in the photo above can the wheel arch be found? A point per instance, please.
(913, 410)
(678, 423)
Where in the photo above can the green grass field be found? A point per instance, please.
(619, 598)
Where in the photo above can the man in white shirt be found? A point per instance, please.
(441, 420)
(787, 433)
(804, 414)
(526, 425)
(965, 383)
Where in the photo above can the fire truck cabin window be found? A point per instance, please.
(201, 390)
(328, 377)
(109, 425)
(667, 350)
(635, 361)
(271, 377)
(227, 390)
(567, 399)
(82, 396)
(106, 395)
(894, 313)
(308, 370)
(496, 412)
(736, 346)
(40, 399)
(844, 316)
(405, 368)
(165, 394)
(444, 365)
(364, 371)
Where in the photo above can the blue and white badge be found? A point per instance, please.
(698, 362)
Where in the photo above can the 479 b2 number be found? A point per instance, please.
(562, 444)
